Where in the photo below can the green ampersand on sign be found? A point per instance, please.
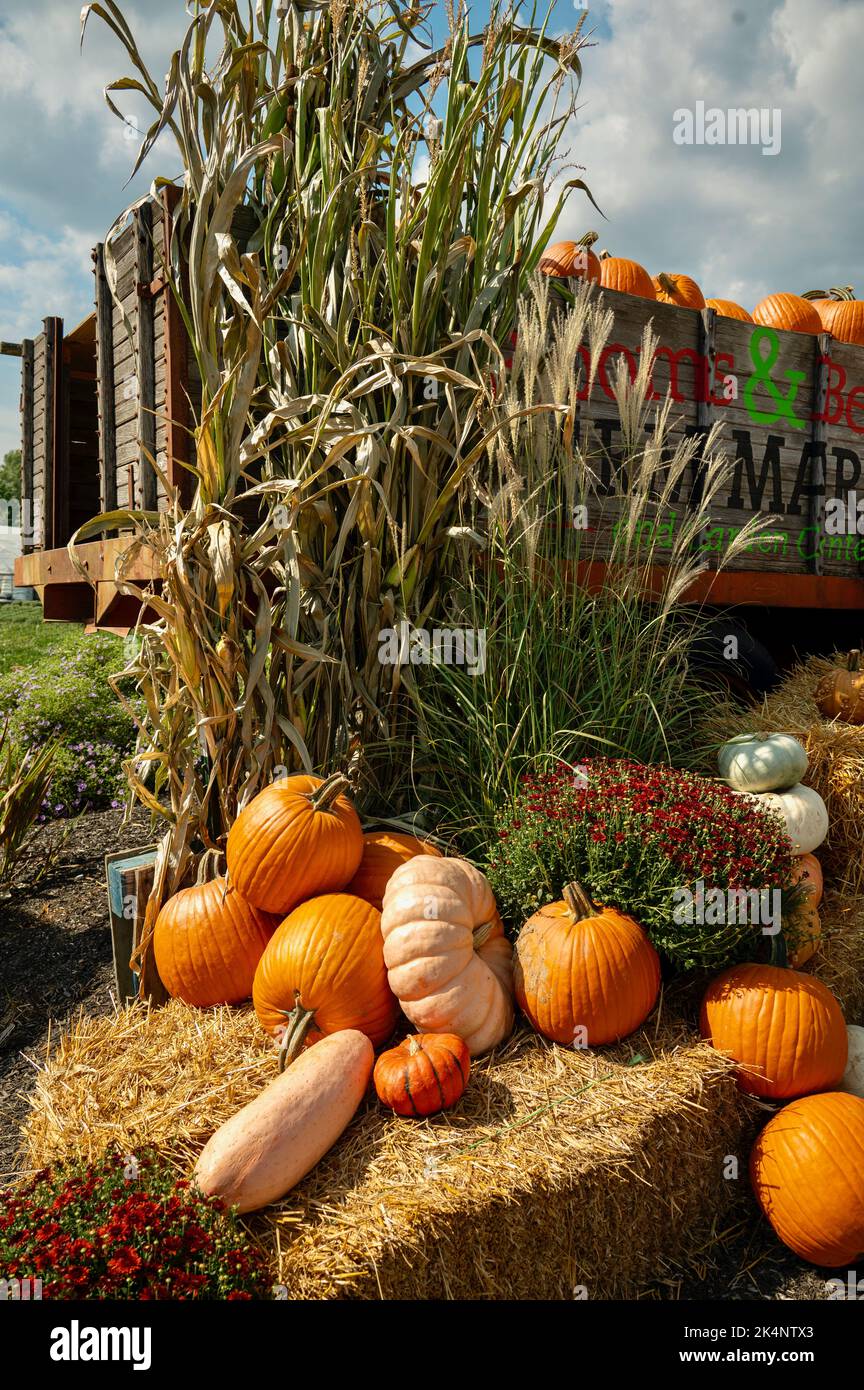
(784, 404)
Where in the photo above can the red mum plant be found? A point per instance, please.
(125, 1227)
(653, 842)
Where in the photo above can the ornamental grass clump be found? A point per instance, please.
(644, 840)
(124, 1227)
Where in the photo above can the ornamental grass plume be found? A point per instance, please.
(573, 666)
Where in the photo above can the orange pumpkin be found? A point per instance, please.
(784, 1029)
(728, 309)
(298, 837)
(617, 273)
(808, 871)
(383, 852)
(807, 1170)
(207, 944)
(808, 935)
(826, 309)
(426, 1073)
(572, 260)
(847, 321)
(840, 694)
(827, 302)
(789, 312)
(323, 971)
(583, 967)
(680, 290)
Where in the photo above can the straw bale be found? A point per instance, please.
(558, 1168)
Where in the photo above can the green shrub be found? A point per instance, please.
(67, 700)
(636, 836)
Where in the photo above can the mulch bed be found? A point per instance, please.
(55, 951)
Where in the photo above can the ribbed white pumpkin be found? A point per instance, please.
(762, 762)
(803, 813)
(853, 1076)
(449, 963)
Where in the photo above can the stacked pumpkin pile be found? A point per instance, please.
(334, 933)
(338, 936)
(786, 1032)
(835, 311)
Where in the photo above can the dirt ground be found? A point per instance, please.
(55, 958)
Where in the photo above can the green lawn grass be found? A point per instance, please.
(25, 640)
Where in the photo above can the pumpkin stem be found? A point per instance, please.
(587, 240)
(666, 282)
(779, 951)
(413, 1045)
(209, 866)
(324, 796)
(854, 660)
(578, 901)
(482, 933)
(299, 1020)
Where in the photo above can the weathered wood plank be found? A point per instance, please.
(27, 442)
(49, 371)
(105, 384)
(177, 352)
(145, 474)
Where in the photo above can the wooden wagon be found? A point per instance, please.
(97, 401)
(96, 404)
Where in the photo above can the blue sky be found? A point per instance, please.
(740, 222)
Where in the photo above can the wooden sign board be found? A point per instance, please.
(129, 875)
(792, 411)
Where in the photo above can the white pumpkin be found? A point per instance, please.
(802, 812)
(853, 1076)
(762, 762)
(448, 961)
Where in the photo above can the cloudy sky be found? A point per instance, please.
(742, 223)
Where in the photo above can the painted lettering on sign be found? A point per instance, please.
(757, 482)
(693, 379)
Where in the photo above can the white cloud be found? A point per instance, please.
(743, 224)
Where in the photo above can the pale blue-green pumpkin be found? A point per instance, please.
(762, 762)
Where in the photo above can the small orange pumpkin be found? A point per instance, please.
(806, 1169)
(578, 966)
(298, 837)
(808, 935)
(784, 1029)
(680, 290)
(572, 260)
(840, 694)
(629, 277)
(207, 943)
(383, 852)
(789, 312)
(807, 871)
(426, 1073)
(728, 309)
(323, 971)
